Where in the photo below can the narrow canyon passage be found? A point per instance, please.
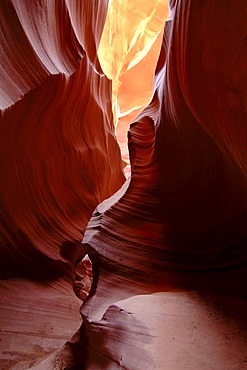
(108, 266)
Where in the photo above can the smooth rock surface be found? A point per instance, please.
(166, 288)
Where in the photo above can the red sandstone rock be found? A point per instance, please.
(59, 156)
(181, 224)
(178, 224)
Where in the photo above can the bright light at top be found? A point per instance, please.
(129, 49)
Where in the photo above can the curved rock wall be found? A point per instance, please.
(185, 208)
(178, 223)
(59, 155)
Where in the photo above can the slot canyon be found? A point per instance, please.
(123, 192)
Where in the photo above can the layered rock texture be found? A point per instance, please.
(158, 259)
(59, 156)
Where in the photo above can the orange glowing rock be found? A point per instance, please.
(177, 224)
(129, 45)
(128, 52)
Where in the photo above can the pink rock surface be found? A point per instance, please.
(185, 208)
(165, 289)
(181, 223)
(59, 155)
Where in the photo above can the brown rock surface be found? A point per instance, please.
(59, 156)
(166, 288)
(36, 319)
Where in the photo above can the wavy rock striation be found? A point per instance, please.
(59, 156)
(179, 222)
(185, 208)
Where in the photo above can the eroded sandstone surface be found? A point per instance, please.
(100, 271)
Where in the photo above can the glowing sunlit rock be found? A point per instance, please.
(131, 38)
(162, 266)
